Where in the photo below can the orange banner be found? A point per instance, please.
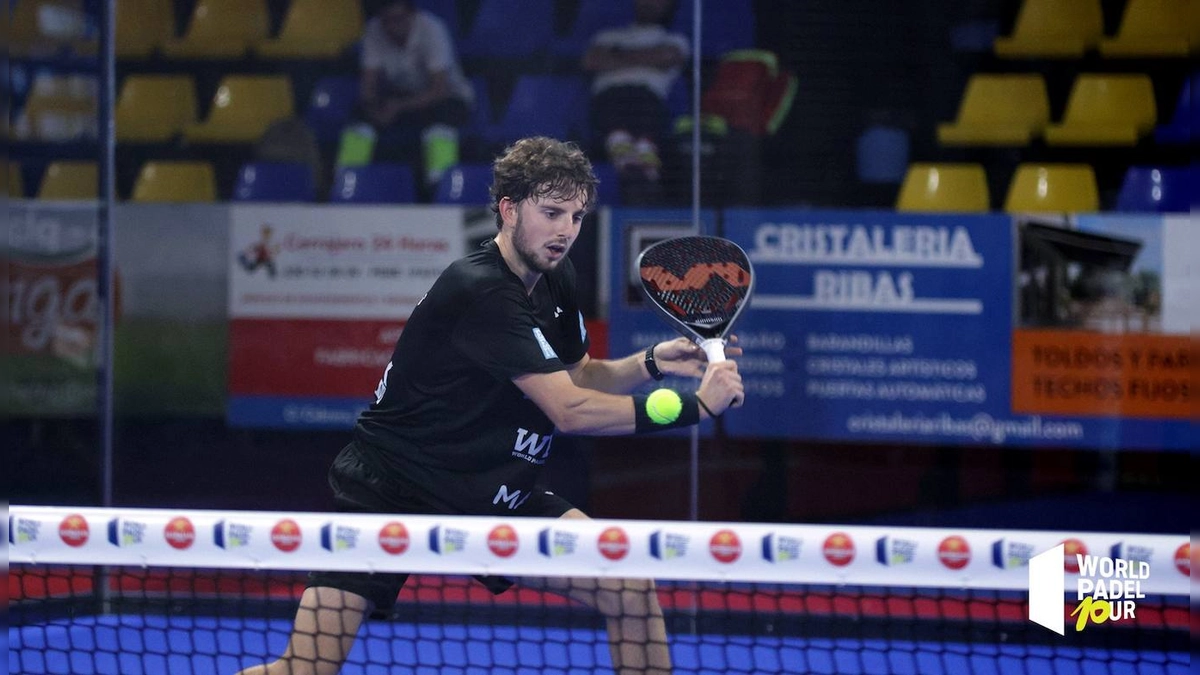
(1096, 374)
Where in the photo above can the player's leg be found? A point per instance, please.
(637, 633)
(323, 633)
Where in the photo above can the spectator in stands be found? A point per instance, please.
(634, 69)
(411, 80)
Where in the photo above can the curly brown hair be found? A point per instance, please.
(542, 167)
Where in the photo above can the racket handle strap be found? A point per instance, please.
(714, 348)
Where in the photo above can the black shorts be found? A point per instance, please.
(358, 489)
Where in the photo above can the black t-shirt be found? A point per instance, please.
(448, 423)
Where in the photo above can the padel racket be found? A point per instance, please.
(700, 285)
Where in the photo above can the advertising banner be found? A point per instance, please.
(317, 297)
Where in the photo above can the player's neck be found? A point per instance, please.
(508, 251)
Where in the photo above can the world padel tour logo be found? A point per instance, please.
(895, 551)
(1008, 554)
(125, 532)
(73, 530)
(393, 538)
(179, 533)
(229, 534)
(286, 535)
(954, 552)
(777, 548)
(446, 540)
(336, 537)
(502, 541)
(838, 549)
(725, 546)
(613, 543)
(553, 543)
(23, 530)
(668, 545)
(1106, 589)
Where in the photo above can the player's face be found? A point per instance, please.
(545, 229)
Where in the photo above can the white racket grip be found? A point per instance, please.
(714, 348)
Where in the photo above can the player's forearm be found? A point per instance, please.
(613, 376)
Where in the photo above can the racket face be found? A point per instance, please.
(700, 283)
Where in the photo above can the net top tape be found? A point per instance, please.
(699, 551)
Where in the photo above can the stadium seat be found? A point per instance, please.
(1053, 29)
(500, 32)
(315, 29)
(1106, 110)
(15, 181)
(465, 184)
(447, 11)
(944, 187)
(382, 183)
(1059, 188)
(45, 28)
(70, 180)
(274, 182)
(1186, 118)
(175, 182)
(331, 105)
(608, 192)
(999, 110)
(481, 114)
(725, 26)
(593, 16)
(1150, 28)
(143, 27)
(242, 108)
(221, 29)
(1157, 189)
(59, 108)
(155, 108)
(551, 105)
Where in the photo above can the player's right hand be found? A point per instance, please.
(721, 388)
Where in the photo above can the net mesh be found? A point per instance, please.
(130, 619)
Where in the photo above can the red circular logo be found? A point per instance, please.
(180, 533)
(502, 541)
(613, 543)
(954, 552)
(1183, 559)
(838, 549)
(1071, 548)
(725, 546)
(286, 535)
(393, 538)
(74, 530)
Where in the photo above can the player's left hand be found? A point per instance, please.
(683, 357)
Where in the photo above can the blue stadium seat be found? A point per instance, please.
(274, 182)
(382, 183)
(1186, 118)
(465, 184)
(500, 32)
(1157, 189)
(593, 17)
(725, 26)
(481, 115)
(447, 11)
(550, 105)
(331, 105)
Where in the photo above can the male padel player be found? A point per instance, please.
(492, 362)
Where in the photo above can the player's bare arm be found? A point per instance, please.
(679, 357)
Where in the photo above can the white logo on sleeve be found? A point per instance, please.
(582, 329)
(547, 350)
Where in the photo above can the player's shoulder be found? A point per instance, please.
(477, 273)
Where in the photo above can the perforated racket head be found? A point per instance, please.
(700, 284)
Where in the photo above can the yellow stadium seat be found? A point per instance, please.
(1053, 29)
(70, 180)
(315, 29)
(15, 181)
(1151, 28)
(243, 107)
(1193, 24)
(1106, 110)
(155, 108)
(1009, 110)
(143, 26)
(175, 182)
(40, 28)
(221, 29)
(943, 187)
(1059, 188)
